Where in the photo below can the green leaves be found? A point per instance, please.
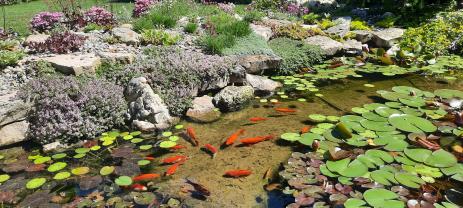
(106, 170)
(382, 198)
(56, 166)
(123, 181)
(346, 168)
(35, 183)
(408, 179)
(410, 123)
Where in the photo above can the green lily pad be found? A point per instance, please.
(346, 168)
(167, 144)
(359, 110)
(82, 150)
(373, 117)
(308, 138)
(167, 134)
(174, 138)
(42, 160)
(143, 162)
(56, 166)
(317, 117)
(384, 177)
(80, 155)
(59, 156)
(386, 111)
(62, 175)
(127, 137)
(80, 170)
(377, 125)
(355, 203)
(409, 123)
(123, 181)
(136, 140)
(95, 148)
(35, 183)
(106, 170)
(135, 133)
(4, 177)
(419, 155)
(441, 159)
(324, 170)
(178, 126)
(409, 180)
(415, 102)
(382, 198)
(291, 137)
(146, 147)
(447, 94)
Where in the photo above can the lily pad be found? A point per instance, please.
(42, 160)
(174, 138)
(82, 150)
(317, 117)
(143, 162)
(419, 155)
(167, 134)
(123, 181)
(167, 144)
(382, 198)
(56, 166)
(384, 177)
(409, 123)
(59, 156)
(80, 170)
(62, 175)
(308, 138)
(106, 170)
(408, 179)
(146, 147)
(355, 203)
(35, 183)
(136, 140)
(4, 177)
(441, 159)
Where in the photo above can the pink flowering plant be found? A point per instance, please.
(46, 21)
(142, 7)
(296, 10)
(99, 16)
(227, 7)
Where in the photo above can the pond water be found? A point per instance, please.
(338, 98)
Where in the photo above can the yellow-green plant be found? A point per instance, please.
(158, 37)
(359, 25)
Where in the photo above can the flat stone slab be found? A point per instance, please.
(263, 31)
(388, 37)
(75, 64)
(13, 133)
(36, 38)
(119, 57)
(328, 45)
(256, 64)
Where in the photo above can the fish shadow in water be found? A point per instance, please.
(198, 195)
(249, 124)
(187, 138)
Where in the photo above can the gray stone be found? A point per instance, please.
(352, 47)
(16, 110)
(274, 23)
(75, 64)
(387, 37)
(263, 31)
(36, 38)
(13, 133)
(257, 64)
(143, 126)
(145, 105)
(263, 86)
(119, 57)
(320, 4)
(126, 35)
(183, 21)
(129, 26)
(233, 98)
(342, 26)
(328, 45)
(203, 110)
(363, 35)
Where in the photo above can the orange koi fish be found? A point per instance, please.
(146, 177)
(234, 136)
(191, 133)
(172, 169)
(177, 147)
(305, 129)
(254, 140)
(149, 158)
(174, 159)
(237, 173)
(138, 187)
(211, 149)
(257, 119)
(285, 110)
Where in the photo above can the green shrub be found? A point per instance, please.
(191, 27)
(359, 25)
(293, 31)
(92, 27)
(10, 58)
(158, 37)
(310, 18)
(252, 44)
(42, 68)
(325, 24)
(295, 54)
(216, 44)
(253, 16)
(143, 23)
(266, 4)
(9, 45)
(387, 22)
(163, 20)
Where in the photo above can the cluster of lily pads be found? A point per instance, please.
(106, 163)
(405, 151)
(305, 84)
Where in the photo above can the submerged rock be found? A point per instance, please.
(75, 64)
(203, 110)
(328, 45)
(257, 64)
(233, 98)
(146, 108)
(263, 86)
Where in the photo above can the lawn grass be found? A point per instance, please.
(19, 15)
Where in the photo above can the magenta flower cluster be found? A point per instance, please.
(296, 10)
(142, 7)
(227, 7)
(45, 21)
(99, 16)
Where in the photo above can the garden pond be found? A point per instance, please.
(116, 168)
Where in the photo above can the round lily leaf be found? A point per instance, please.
(143, 162)
(41, 160)
(167, 144)
(325, 126)
(355, 203)
(415, 102)
(4, 177)
(136, 140)
(407, 90)
(95, 148)
(167, 134)
(178, 126)
(174, 138)
(127, 137)
(377, 125)
(410, 180)
(447, 94)
(409, 123)
(35, 183)
(386, 111)
(317, 130)
(80, 155)
(359, 110)
(82, 150)
(80, 170)
(382, 198)
(373, 116)
(441, 159)
(106, 170)
(123, 181)
(317, 117)
(59, 156)
(291, 137)
(308, 138)
(419, 155)
(135, 133)
(56, 166)
(62, 175)
(384, 177)
(146, 147)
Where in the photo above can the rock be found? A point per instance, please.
(387, 37)
(75, 64)
(126, 35)
(119, 57)
(352, 47)
(128, 26)
(263, 86)
(144, 126)
(328, 45)
(363, 35)
(257, 64)
(36, 38)
(274, 23)
(238, 17)
(183, 21)
(203, 110)
(342, 26)
(233, 98)
(13, 133)
(320, 4)
(146, 106)
(263, 31)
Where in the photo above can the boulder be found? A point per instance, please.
(320, 4)
(328, 45)
(126, 35)
(129, 26)
(274, 23)
(36, 38)
(257, 64)
(13, 133)
(342, 26)
(352, 47)
(263, 31)
(119, 57)
(388, 37)
(363, 36)
(233, 98)
(75, 64)
(146, 106)
(203, 110)
(263, 86)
